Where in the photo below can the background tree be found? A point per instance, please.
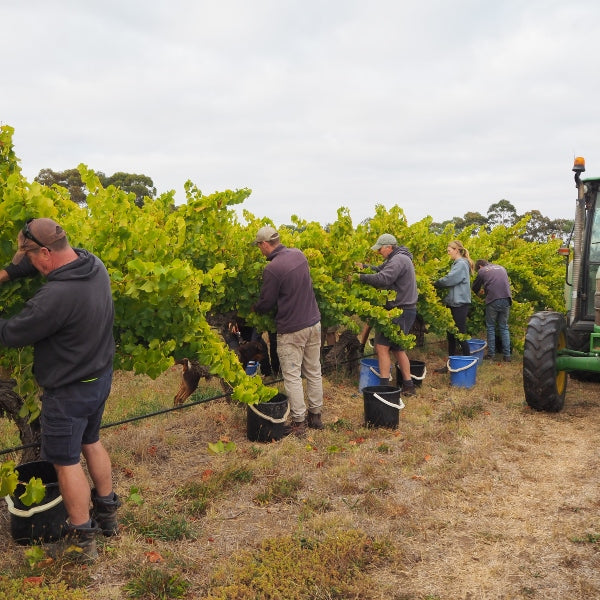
(476, 221)
(562, 229)
(69, 179)
(501, 213)
(140, 185)
(538, 227)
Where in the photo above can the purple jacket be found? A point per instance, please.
(494, 280)
(288, 288)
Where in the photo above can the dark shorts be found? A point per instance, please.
(404, 321)
(71, 416)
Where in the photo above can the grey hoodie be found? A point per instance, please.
(69, 321)
(397, 273)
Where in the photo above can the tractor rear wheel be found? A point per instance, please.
(544, 386)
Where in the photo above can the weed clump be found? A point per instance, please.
(156, 583)
(303, 568)
(280, 490)
(36, 588)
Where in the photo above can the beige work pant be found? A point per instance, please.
(300, 356)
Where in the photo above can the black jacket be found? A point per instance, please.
(69, 321)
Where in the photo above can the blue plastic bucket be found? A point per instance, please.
(369, 373)
(252, 367)
(477, 347)
(463, 371)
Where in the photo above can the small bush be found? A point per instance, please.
(156, 583)
(465, 411)
(35, 588)
(167, 528)
(303, 568)
(279, 490)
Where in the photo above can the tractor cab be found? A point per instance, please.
(556, 344)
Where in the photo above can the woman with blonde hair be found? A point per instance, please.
(458, 298)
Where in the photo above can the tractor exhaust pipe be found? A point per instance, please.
(578, 167)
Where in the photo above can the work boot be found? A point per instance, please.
(507, 359)
(297, 428)
(78, 544)
(105, 513)
(489, 357)
(314, 421)
(408, 388)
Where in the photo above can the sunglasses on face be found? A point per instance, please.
(27, 233)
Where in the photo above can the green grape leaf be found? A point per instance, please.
(34, 492)
(8, 478)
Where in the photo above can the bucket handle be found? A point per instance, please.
(374, 371)
(268, 418)
(461, 368)
(480, 349)
(398, 406)
(422, 376)
(32, 511)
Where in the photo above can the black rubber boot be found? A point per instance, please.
(297, 428)
(105, 513)
(78, 544)
(314, 421)
(408, 388)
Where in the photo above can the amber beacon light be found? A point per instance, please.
(579, 164)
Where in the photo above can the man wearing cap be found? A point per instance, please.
(69, 322)
(396, 273)
(287, 288)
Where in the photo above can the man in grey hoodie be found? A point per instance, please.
(396, 273)
(69, 322)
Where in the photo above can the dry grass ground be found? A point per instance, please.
(475, 496)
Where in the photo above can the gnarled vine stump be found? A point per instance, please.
(10, 406)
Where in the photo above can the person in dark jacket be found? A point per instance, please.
(493, 281)
(396, 273)
(69, 322)
(287, 288)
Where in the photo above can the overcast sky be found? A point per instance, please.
(440, 107)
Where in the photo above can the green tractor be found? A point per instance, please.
(557, 344)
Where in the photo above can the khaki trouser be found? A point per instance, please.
(300, 356)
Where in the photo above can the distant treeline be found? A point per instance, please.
(539, 228)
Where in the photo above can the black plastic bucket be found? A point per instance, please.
(44, 522)
(382, 406)
(265, 421)
(418, 370)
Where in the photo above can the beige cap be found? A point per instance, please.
(266, 234)
(387, 239)
(37, 233)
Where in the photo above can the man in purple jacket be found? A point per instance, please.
(287, 288)
(493, 280)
